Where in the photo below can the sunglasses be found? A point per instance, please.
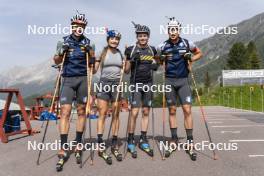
(77, 26)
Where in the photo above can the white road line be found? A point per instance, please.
(215, 122)
(237, 126)
(248, 111)
(247, 140)
(254, 156)
(234, 132)
(227, 119)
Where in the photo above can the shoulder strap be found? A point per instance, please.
(102, 56)
(118, 50)
(162, 45)
(133, 49)
(186, 43)
(66, 38)
(152, 52)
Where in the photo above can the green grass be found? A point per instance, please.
(228, 97)
(236, 97)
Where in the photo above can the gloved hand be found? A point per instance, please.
(87, 48)
(65, 47)
(154, 66)
(188, 56)
(90, 50)
(62, 47)
(91, 60)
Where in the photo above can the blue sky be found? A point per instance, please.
(19, 48)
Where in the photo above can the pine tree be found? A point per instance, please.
(254, 60)
(237, 57)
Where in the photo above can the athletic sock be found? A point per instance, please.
(64, 139)
(78, 138)
(143, 135)
(130, 138)
(189, 133)
(100, 138)
(174, 135)
(114, 141)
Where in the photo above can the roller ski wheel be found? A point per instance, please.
(106, 157)
(144, 146)
(62, 159)
(191, 152)
(78, 156)
(117, 154)
(169, 151)
(131, 148)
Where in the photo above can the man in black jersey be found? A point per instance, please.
(141, 63)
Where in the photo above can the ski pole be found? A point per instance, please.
(88, 107)
(129, 114)
(89, 112)
(152, 111)
(117, 99)
(42, 124)
(51, 106)
(128, 122)
(203, 114)
(163, 111)
(59, 94)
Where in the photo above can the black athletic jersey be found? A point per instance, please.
(146, 56)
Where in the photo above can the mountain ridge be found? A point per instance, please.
(40, 78)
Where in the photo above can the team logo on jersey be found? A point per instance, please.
(188, 99)
(149, 103)
(181, 44)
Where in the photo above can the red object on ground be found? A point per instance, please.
(11, 92)
(39, 107)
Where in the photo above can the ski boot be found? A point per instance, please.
(170, 149)
(131, 148)
(191, 152)
(62, 159)
(116, 153)
(78, 156)
(105, 156)
(145, 147)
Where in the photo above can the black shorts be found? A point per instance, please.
(109, 90)
(141, 97)
(179, 88)
(74, 87)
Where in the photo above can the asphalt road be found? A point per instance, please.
(226, 126)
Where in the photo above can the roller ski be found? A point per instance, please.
(170, 150)
(145, 147)
(62, 159)
(116, 153)
(106, 157)
(191, 152)
(131, 148)
(78, 156)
